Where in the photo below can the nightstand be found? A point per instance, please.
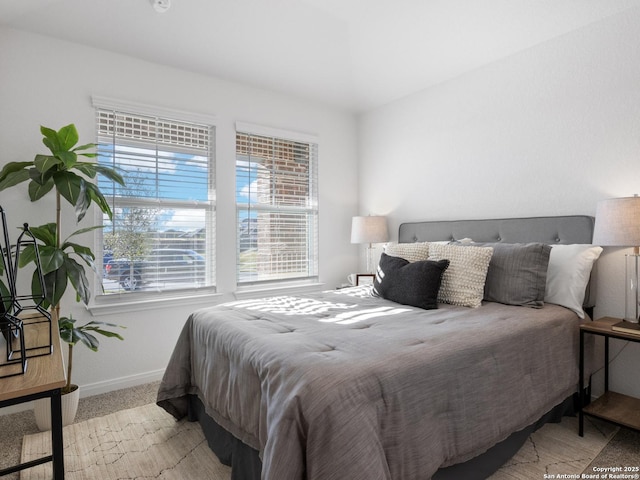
(611, 406)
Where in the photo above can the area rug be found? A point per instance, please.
(557, 451)
(140, 443)
(147, 443)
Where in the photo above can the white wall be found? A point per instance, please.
(49, 82)
(549, 131)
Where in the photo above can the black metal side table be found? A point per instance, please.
(611, 406)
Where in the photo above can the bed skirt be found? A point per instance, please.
(246, 465)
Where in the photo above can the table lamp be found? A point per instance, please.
(618, 225)
(369, 229)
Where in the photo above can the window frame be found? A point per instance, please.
(312, 209)
(102, 302)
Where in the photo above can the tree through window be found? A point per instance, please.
(162, 236)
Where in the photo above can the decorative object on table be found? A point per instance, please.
(365, 278)
(370, 229)
(62, 172)
(20, 311)
(30, 307)
(627, 327)
(618, 225)
(12, 327)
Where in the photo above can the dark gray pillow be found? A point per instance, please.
(409, 283)
(517, 273)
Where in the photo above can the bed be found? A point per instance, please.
(345, 384)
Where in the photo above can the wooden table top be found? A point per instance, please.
(44, 372)
(603, 326)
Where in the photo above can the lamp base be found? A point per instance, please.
(370, 259)
(632, 269)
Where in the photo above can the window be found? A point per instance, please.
(277, 206)
(162, 236)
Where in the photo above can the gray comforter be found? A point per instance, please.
(337, 386)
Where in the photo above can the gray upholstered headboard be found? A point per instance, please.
(564, 230)
(550, 230)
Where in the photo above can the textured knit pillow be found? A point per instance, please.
(413, 252)
(409, 283)
(463, 282)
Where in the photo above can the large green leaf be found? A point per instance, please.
(72, 333)
(101, 331)
(45, 233)
(55, 285)
(51, 258)
(13, 178)
(83, 252)
(5, 295)
(86, 168)
(109, 172)
(78, 278)
(68, 158)
(96, 195)
(84, 200)
(85, 147)
(44, 163)
(36, 291)
(65, 327)
(37, 191)
(50, 139)
(87, 339)
(12, 167)
(27, 255)
(84, 230)
(68, 185)
(68, 136)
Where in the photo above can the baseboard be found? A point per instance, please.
(98, 388)
(106, 386)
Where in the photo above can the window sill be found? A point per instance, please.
(263, 290)
(114, 304)
(127, 303)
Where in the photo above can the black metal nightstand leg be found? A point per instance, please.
(56, 436)
(581, 399)
(606, 364)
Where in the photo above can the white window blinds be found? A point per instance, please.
(277, 208)
(162, 236)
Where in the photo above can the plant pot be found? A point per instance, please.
(42, 409)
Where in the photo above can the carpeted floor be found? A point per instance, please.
(551, 450)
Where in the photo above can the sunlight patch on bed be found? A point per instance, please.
(347, 318)
(342, 313)
(290, 305)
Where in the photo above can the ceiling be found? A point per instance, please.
(353, 54)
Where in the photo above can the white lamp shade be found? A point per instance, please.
(371, 229)
(618, 222)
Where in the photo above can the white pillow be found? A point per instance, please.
(463, 282)
(412, 252)
(568, 274)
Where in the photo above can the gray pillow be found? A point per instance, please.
(517, 273)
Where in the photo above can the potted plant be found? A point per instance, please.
(63, 262)
(72, 334)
